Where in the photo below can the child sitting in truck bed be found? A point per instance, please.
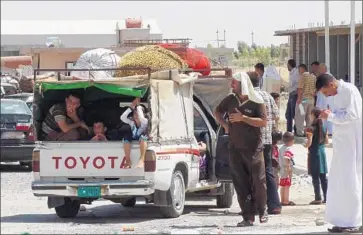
(134, 130)
(99, 131)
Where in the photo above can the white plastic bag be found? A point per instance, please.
(96, 59)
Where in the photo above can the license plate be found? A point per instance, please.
(12, 135)
(94, 191)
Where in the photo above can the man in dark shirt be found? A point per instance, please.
(62, 122)
(247, 114)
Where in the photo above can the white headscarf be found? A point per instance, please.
(247, 87)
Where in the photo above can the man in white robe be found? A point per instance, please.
(344, 197)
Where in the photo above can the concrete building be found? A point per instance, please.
(20, 34)
(76, 37)
(218, 56)
(308, 45)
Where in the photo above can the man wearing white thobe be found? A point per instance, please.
(344, 197)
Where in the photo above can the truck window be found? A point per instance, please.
(199, 123)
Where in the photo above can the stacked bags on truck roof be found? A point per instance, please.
(152, 56)
(96, 59)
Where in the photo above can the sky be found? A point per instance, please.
(198, 20)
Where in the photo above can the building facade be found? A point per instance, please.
(308, 45)
(19, 35)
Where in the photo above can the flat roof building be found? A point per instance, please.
(308, 45)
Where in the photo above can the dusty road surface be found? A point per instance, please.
(22, 212)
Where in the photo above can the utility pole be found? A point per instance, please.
(327, 35)
(352, 42)
(220, 40)
(224, 38)
(253, 39)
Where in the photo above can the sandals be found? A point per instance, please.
(245, 223)
(291, 203)
(337, 229)
(316, 202)
(264, 218)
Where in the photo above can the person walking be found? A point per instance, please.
(305, 99)
(246, 115)
(344, 195)
(291, 103)
(260, 70)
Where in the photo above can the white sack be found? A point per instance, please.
(96, 59)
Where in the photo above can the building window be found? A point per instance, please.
(69, 65)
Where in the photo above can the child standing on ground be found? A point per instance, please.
(317, 138)
(135, 130)
(285, 160)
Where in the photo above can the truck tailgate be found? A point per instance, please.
(87, 159)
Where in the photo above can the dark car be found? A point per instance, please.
(16, 129)
(26, 97)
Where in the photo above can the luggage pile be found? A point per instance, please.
(154, 57)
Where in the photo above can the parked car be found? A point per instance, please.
(16, 128)
(26, 97)
(8, 88)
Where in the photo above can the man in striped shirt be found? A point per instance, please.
(272, 113)
(305, 98)
(62, 122)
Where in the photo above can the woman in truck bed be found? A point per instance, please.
(135, 130)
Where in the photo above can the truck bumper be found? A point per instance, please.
(108, 189)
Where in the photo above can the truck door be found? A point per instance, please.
(222, 169)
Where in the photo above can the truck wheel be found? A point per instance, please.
(69, 209)
(225, 200)
(175, 197)
(128, 202)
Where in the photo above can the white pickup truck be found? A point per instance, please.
(75, 173)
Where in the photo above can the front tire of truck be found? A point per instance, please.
(175, 197)
(128, 202)
(225, 200)
(69, 209)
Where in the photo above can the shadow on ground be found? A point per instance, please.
(14, 168)
(106, 214)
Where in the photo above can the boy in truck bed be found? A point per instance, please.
(99, 131)
(135, 129)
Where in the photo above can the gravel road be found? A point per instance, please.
(22, 212)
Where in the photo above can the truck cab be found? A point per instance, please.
(71, 173)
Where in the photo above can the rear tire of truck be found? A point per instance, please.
(128, 202)
(175, 197)
(225, 200)
(69, 209)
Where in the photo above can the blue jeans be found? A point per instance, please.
(273, 199)
(290, 111)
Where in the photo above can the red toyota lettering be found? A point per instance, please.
(112, 158)
(102, 162)
(123, 163)
(84, 161)
(56, 161)
(68, 159)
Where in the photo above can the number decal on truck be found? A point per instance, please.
(164, 157)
